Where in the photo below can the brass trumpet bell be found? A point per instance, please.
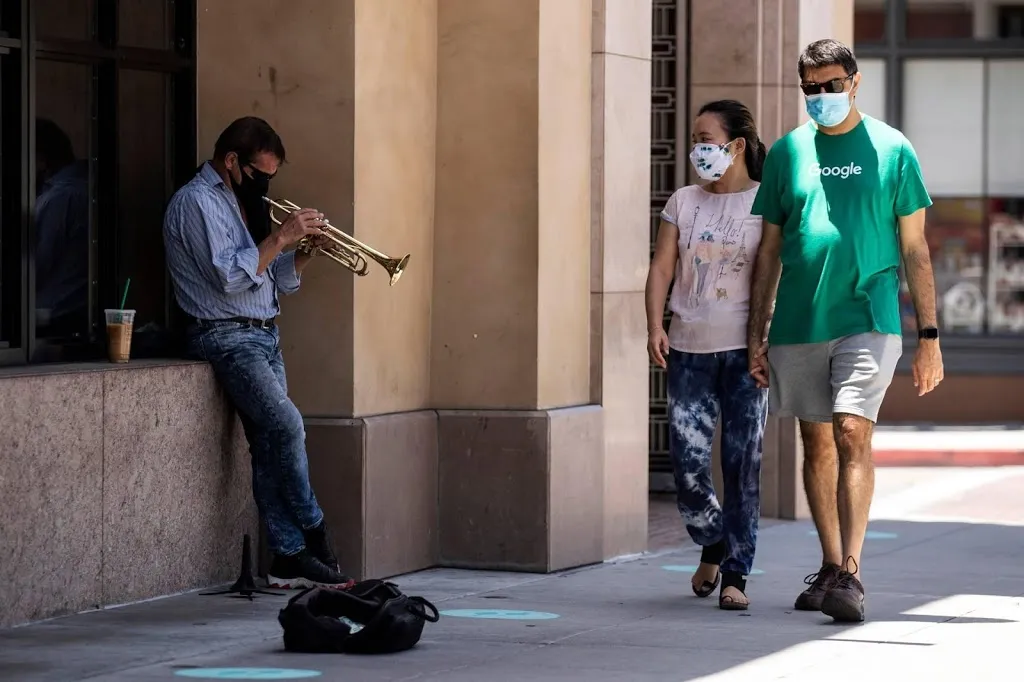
(343, 248)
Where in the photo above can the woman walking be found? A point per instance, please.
(706, 242)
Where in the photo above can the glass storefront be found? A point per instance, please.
(97, 127)
(950, 75)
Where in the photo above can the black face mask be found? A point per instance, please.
(250, 192)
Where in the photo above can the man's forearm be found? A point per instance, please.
(917, 264)
(269, 249)
(764, 284)
(301, 261)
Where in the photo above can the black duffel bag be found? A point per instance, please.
(372, 617)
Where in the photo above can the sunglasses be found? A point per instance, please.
(257, 174)
(831, 86)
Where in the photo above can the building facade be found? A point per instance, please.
(950, 75)
(491, 409)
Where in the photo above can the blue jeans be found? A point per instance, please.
(699, 386)
(248, 364)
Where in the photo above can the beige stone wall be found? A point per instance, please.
(563, 203)
(358, 91)
(117, 484)
(394, 162)
(484, 326)
(520, 453)
(305, 89)
(620, 247)
(459, 131)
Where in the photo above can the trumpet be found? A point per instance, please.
(344, 248)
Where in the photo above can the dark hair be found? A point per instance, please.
(247, 137)
(827, 52)
(738, 122)
(53, 144)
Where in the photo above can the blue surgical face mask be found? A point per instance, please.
(829, 109)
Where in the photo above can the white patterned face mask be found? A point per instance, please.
(711, 160)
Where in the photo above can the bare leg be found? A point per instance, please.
(821, 478)
(856, 484)
(844, 600)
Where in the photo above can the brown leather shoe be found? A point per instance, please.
(819, 583)
(845, 599)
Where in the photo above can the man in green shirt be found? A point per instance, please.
(842, 199)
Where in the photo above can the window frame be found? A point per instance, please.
(963, 353)
(107, 58)
(16, 48)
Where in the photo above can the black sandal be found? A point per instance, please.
(711, 555)
(727, 603)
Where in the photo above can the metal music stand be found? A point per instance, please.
(245, 586)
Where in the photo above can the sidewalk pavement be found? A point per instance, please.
(942, 568)
(896, 446)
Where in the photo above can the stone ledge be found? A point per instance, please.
(116, 487)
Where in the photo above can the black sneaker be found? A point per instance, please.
(820, 583)
(845, 600)
(303, 570)
(319, 543)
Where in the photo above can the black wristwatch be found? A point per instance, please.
(928, 333)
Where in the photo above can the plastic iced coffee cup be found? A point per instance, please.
(119, 334)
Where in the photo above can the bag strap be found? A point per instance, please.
(418, 606)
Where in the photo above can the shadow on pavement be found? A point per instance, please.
(943, 599)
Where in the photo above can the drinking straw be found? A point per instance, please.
(124, 296)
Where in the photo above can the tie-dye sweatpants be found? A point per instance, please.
(700, 386)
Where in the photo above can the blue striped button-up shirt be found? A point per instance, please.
(212, 257)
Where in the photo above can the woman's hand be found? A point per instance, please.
(757, 359)
(657, 347)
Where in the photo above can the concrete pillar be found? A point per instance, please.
(520, 448)
(490, 409)
(620, 198)
(351, 87)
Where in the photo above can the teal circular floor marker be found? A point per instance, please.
(871, 535)
(499, 614)
(693, 569)
(247, 673)
(880, 535)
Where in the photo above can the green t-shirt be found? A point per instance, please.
(837, 199)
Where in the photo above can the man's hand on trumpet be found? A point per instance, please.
(319, 239)
(305, 222)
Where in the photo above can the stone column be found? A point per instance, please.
(351, 87)
(620, 198)
(452, 419)
(757, 65)
(520, 447)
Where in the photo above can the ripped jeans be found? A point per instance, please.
(248, 364)
(700, 385)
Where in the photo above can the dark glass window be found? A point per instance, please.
(936, 20)
(88, 164)
(10, 20)
(1011, 21)
(144, 185)
(144, 23)
(65, 19)
(12, 223)
(868, 21)
(63, 205)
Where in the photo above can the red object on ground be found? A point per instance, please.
(948, 458)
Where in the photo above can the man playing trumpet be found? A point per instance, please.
(228, 268)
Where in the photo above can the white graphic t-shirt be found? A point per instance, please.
(718, 240)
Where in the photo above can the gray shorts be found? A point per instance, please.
(813, 381)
